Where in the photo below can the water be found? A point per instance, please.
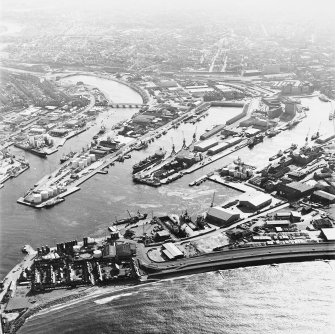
(291, 298)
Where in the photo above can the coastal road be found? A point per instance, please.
(246, 256)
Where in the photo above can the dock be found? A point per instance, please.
(234, 185)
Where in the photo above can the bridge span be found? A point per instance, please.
(125, 105)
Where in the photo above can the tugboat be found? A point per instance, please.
(158, 156)
(255, 140)
(102, 130)
(141, 146)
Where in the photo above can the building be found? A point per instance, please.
(295, 190)
(255, 200)
(205, 145)
(323, 197)
(328, 234)
(171, 251)
(162, 235)
(221, 217)
(278, 223)
(125, 250)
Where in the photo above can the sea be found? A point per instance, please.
(290, 298)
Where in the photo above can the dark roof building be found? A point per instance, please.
(295, 190)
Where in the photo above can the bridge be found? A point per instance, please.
(125, 105)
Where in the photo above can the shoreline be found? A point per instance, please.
(87, 293)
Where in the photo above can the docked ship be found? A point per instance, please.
(255, 140)
(323, 98)
(272, 133)
(293, 123)
(141, 146)
(102, 130)
(278, 155)
(131, 219)
(66, 157)
(158, 156)
(31, 149)
(109, 142)
(315, 136)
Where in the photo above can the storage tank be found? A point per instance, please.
(44, 194)
(97, 254)
(75, 163)
(81, 164)
(37, 198)
(54, 190)
(50, 192)
(92, 156)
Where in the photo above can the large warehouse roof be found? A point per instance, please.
(222, 214)
(329, 233)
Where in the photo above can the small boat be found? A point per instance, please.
(323, 98)
(274, 264)
(127, 156)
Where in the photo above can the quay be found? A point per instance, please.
(234, 185)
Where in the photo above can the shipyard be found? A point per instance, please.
(137, 150)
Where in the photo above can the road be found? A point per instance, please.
(246, 256)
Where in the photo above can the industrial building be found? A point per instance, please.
(295, 190)
(212, 132)
(222, 146)
(328, 234)
(323, 197)
(255, 200)
(221, 217)
(205, 145)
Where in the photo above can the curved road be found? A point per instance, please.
(244, 257)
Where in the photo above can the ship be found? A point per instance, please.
(323, 98)
(34, 150)
(131, 219)
(255, 140)
(278, 155)
(66, 157)
(315, 136)
(111, 143)
(50, 203)
(272, 133)
(293, 123)
(331, 116)
(158, 156)
(102, 130)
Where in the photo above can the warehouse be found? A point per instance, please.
(323, 197)
(205, 145)
(212, 132)
(255, 200)
(328, 234)
(222, 146)
(276, 223)
(221, 217)
(172, 251)
(295, 190)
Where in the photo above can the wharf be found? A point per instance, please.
(234, 185)
(214, 158)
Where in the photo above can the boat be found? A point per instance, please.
(293, 123)
(255, 140)
(141, 146)
(102, 130)
(53, 202)
(323, 98)
(331, 116)
(66, 157)
(131, 219)
(272, 133)
(127, 156)
(315, 136)
(158, 156)
(279, 154)
(34, 150)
